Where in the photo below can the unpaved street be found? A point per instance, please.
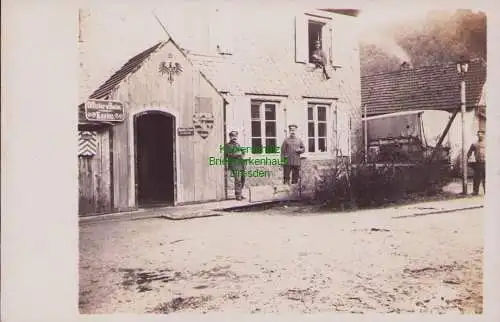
(283, 260)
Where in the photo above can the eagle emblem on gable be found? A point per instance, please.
(170, 69)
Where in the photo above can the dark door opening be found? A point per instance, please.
(155, 162)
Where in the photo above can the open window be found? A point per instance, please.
(307, 32)
(314, 34)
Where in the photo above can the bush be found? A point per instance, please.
(368, 185)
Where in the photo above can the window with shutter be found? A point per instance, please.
(307, 32)
(301, 40)
(327, 34)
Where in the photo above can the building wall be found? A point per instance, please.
(94, 177)
(291, 110)
(147, 89)
(276, 36)
(455, 137)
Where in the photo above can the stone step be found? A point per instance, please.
(273, 192)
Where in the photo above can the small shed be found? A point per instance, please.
(156, 151)
(432, 88)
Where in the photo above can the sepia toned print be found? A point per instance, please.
(377, 207)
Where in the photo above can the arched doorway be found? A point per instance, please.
(154, 133)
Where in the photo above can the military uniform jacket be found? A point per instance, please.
(319, 56)
(234, 156)
(289, 150)
(479, 151)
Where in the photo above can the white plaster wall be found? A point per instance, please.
(471, 127)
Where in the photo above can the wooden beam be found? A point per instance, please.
(445, 132)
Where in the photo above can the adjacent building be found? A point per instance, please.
(431, 88)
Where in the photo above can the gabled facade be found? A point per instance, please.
(146, 159)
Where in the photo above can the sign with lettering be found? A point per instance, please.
(185, 131)
(104, 110)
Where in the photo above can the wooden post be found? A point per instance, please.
(349, 140)
(366, 134)
(445, 132)
(464, 157)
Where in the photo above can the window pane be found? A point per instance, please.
(270, 145)
(270, 111)
(271, 129)
(314, 33)
(321, 113)
(321, 129)
(310, 129)
(256, 146)
(255, 111)
(311, 145)
(256, 131)
(322, 144)
(310, 116)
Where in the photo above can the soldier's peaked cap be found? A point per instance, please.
(292, 125)
(233, 133)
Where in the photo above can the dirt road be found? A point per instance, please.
(282, 260)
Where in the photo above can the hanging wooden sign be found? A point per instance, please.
(104, 111)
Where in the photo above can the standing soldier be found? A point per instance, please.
(291, 149)
(234, 156)
(479, 169)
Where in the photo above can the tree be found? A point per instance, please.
(440, 38)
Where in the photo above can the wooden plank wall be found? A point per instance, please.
(95, 178)
(147, 89)
(121, 167)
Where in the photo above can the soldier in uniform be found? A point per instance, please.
(478, 149)
(319, 59)
(291, 149)
(234, 155)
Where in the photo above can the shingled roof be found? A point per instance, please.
(429, 87)
(130, 67)
(347, 12)
(265, 75)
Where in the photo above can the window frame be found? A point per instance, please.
(311, 42)
(331, 134)
(302, 48)
(262, 120)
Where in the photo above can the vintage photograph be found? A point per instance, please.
(273, 159)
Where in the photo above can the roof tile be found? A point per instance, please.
(429, 87)
(264, 75)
